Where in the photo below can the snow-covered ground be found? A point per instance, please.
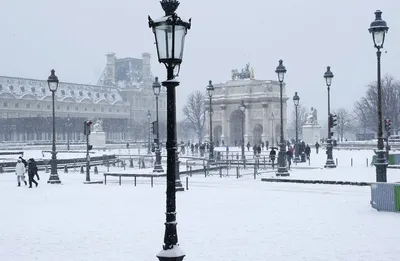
(219, 218)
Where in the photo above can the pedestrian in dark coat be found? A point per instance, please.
(308, 151)
(272, 155)
(32, 172)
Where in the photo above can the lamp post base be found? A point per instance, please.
(54, 179)
(381, 166)
(330, 164)
(174, 254)
(175, 258)
(282, 168)
(158, 168)
(282, 172)
(178, 185)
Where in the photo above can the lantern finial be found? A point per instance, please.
(169, 6)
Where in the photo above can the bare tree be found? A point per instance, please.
(194, 111)
(344, 121)
(140, 130)
(185, 132)
(366, 110)
(301, 120)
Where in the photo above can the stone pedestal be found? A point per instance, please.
(97, 139)
(311, 133)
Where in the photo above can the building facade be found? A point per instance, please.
(121, 99)
(261, 118)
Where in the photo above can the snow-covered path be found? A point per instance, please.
(219, 219)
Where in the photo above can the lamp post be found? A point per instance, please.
(328, 75)
(210, 90)
(68, 125)
(243, 108)
(378, 29)
(149, 131)
(296, 100)
(52, 81)
(170, 32)
(157, 164)
(282, 169)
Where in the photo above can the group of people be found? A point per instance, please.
(22, 167)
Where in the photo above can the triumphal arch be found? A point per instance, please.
(260, 119)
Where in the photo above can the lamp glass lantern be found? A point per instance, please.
(156, 86)
(281, 70)
(52, 81)
(328, 75)
(170, 32)
(378, 29)
(296, 99)
(210, 89)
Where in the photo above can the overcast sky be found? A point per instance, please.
(73, 37)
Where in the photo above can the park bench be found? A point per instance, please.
(135, 176)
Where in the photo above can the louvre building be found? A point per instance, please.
(120, 100)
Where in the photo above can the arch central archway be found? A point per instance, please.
(217, 135)
(257, 132)
(236, 127)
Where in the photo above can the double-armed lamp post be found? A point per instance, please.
(170, 32)
(378, 29)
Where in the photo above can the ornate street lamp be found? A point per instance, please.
(170, 32)
(210, 90)
(157, 164)
(149, 131)
(378, 29)
(242, 108)
(282, 169)
(52, 81)
(328, 75)
(296, 100)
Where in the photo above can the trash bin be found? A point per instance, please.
(397, 197)
(383, 196)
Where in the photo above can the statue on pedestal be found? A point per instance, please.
(97, 127)
(312, 117)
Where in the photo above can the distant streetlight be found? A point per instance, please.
(282, 169)
(296, 100)
(149, 131)
(378, 29)
(52, 81)
(243, 108)
(272, 126)
(68, 125)
(210, 90)
(328, 75)
(157, 165)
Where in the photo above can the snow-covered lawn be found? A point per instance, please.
(219, 219)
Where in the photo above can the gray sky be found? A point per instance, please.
(73, 37)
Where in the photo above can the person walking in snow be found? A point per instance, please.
(32, 172)
(20, 172)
